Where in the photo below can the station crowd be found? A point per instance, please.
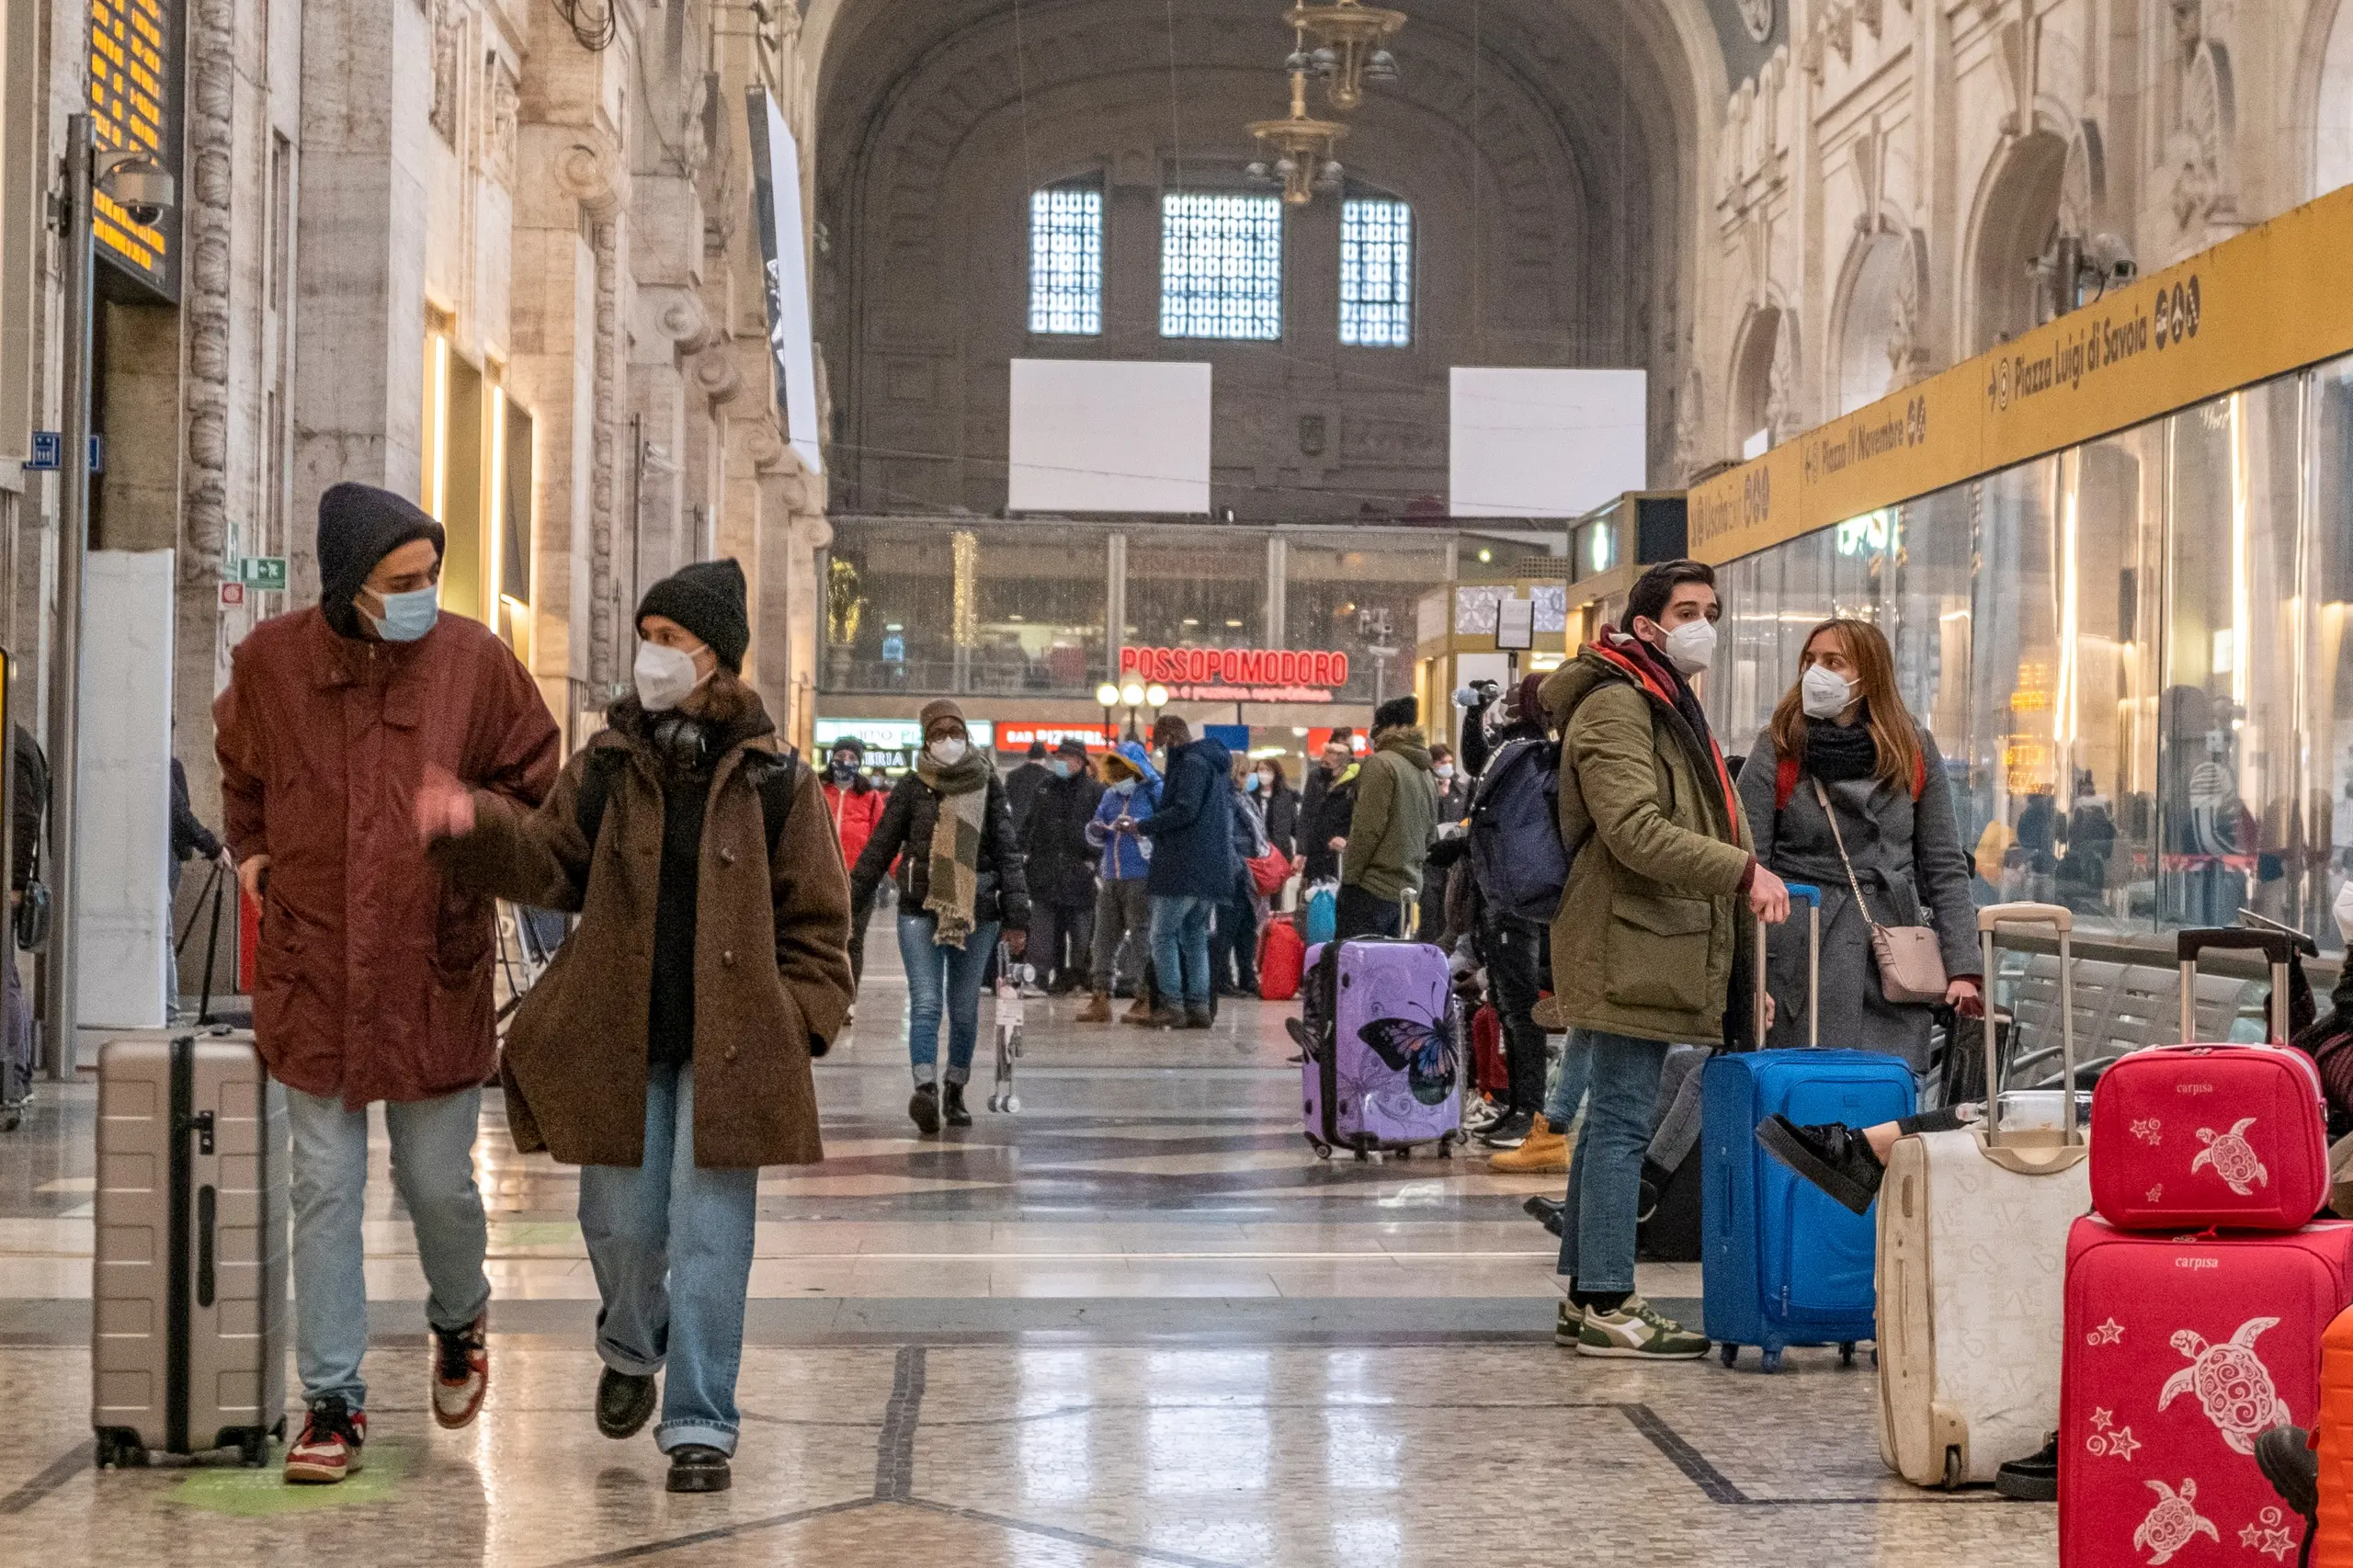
(1591, 866)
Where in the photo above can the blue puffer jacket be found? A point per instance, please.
(1125, 856)
(1192, 834)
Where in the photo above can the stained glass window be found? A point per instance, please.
(1222, 267)
(1376, 274)
(1066, 259)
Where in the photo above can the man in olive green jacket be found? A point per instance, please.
(1661, 883)
(1389, 832)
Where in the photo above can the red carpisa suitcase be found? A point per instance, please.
(2180, 1351)
(2226, 1135)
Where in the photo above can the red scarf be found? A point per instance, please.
(1663, 684)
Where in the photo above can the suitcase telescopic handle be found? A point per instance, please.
(2278, 947)
(1811, 896)
(2060, 918)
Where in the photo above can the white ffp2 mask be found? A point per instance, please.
(1691, 647)
(665, 676)
(948, 751)
(1825, 692)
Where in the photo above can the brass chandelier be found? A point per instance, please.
(1302, 147)
(1341, 43)
(1349, 50)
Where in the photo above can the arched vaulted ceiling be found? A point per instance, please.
(1549, 146)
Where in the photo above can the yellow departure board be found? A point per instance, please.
(134, 105)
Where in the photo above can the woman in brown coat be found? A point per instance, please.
(714, 908)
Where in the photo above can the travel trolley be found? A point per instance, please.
(1010, 978)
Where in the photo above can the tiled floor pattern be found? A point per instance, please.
(1139, 1322)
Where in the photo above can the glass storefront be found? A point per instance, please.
(2132, 653)
(1022, 609)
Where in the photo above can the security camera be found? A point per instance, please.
(140, 185)
(2111, 258)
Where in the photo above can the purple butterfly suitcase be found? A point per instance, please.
(1383, 1048)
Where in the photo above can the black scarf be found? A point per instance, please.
(1687, 701)
(1836, 754)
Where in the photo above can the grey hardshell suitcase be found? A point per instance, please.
(188, 1294)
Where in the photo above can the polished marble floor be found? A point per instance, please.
(1137, 1323)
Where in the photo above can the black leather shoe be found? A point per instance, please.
(923, 1108)
(952, 1107)
(1834, 1156)
(695, 1468)
(2033, 1480)
(624, 1404)
(1547, 1210)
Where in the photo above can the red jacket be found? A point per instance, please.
(374, 974)
(856, 811)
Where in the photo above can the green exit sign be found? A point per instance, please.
(267, 573)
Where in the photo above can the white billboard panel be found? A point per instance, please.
(1545, 443)
(1109, 436)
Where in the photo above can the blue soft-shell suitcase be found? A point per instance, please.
(1785, 1263)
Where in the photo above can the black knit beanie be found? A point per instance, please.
(359, 526)
(708, 599)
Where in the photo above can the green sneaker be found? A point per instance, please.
(1569, 1326)
(1636, 1332)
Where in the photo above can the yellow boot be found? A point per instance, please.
(1545, 1152)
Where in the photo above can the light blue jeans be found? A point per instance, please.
(934, 972)
(1570, 1082)
(1180, 949)
(433, 1171)
(1606, 1174)
(671, 1243)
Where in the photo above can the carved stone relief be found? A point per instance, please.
(1781, 414)
(2199, 152)
(1758, 17)
(448, 84)
(505, 104)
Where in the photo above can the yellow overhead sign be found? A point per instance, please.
(2268, 301)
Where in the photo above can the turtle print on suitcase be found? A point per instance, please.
(2232, 1157)
(2231, 1382)
(2172, 1523)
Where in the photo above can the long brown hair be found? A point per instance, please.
(1894, 733)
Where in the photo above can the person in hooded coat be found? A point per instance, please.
(1193, 867)
(713, 906)
(373, 977)
(1122, 899)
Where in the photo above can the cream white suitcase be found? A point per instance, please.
(1972, 1249)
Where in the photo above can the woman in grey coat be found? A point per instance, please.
(1842, 733)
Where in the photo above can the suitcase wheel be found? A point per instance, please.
(1847, 1353)
(1769, 1358)
(253, 1448)
(1953, 1477)
(1404, 1151)
(1446, 1146)
(1728, 1353)
(118, 1449)
(1323, 1149)
(1362, 1156)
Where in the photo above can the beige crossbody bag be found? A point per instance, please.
(1910, 963)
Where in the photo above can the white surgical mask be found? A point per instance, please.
(665, 676)
(1691, 647)
(1444, 770)
(948, 751)
(1825, 692)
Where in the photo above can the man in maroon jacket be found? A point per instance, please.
(373, 978)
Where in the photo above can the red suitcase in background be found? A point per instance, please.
(2179, 1352)
(2190, 1136)
(1281, 956)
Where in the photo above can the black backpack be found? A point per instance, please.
(1515, 848)
(775, 774)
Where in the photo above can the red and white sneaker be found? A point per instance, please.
(329, 1447)
(461, 1373)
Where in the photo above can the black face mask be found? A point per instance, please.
(844, 772)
